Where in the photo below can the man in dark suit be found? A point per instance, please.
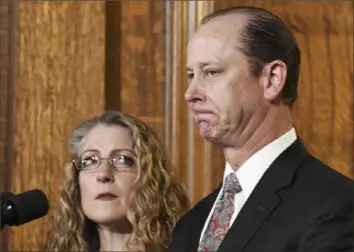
(243, 66)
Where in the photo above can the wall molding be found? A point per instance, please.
(189, 152)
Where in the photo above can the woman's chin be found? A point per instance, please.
(109, 220)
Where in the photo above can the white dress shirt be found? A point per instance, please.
(252, 170)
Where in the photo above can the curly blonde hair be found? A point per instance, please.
(157, 202)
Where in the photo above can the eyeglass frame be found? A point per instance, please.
(99, 162)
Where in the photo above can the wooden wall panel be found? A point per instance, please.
(324, 110)
(136, 44)
(59, 82)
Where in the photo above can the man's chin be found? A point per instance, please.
(206, 133)
(212, 135)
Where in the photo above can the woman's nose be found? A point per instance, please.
(105, 177)
(105, 174)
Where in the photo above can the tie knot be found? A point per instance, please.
(231, 184)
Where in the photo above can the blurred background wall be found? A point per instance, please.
(64, 61)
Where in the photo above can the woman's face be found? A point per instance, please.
(106, 184)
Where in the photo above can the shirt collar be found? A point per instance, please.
(253, 169)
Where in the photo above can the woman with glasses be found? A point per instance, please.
(120, 193)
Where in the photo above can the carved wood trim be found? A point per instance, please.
(189, 152)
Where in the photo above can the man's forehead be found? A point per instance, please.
(216, 39)
(230, 23)
(210, 48)
(202, 44)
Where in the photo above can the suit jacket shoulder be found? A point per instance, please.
(300, 204)
(320, 185)
(322, 178)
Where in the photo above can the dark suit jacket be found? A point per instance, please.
(300, 204)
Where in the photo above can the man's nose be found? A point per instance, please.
(194, 93)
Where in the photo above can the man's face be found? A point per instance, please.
(222, 93)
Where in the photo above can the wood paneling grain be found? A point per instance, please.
(59, 82)
(141, 60)
(323, 112)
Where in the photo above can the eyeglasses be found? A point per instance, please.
(119, 162)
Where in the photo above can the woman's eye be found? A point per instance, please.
(89, 161)
(125, 160)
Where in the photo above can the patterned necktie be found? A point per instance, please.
(220, 220)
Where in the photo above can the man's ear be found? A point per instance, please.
(274, 78)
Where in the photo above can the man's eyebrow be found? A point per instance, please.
(203, 64)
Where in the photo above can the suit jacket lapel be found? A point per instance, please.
(264, 198)
(197, 220)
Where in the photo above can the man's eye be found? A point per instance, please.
(211, 72)
(190, 76)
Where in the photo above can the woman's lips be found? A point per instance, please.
(106, 196)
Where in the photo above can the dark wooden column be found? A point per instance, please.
(113, 55)
(7, 55)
